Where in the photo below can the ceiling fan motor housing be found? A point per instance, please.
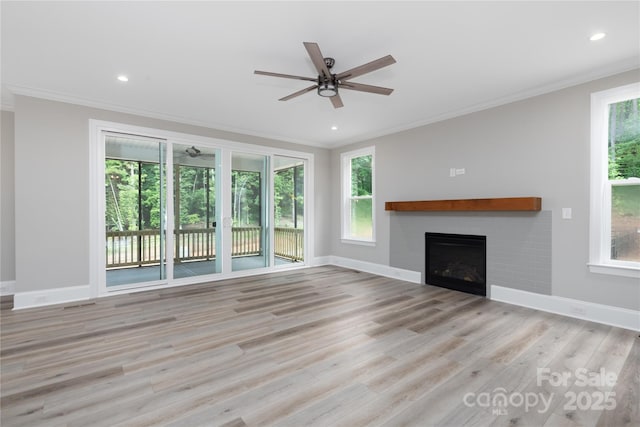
(328, 85)
(329, 62)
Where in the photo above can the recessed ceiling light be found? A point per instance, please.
(123, 78)
(334, 127)
(597, 36)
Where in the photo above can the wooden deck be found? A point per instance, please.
(321, 346)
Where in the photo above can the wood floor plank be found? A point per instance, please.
(627, 393)
(323, 346)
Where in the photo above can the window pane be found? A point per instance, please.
(361, 176)
(361, 219)
(197, 196)
(624, 139)
(288, 191)
(246, 198)
(249, 234)
(135, 195)
(121, 190)
(625, 222)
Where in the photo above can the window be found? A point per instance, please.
(358, 217)
(615, 181)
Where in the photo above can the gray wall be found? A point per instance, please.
(7, 202)
(536, 147)
(51, 154)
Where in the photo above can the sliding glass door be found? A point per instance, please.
(177, 211)
(195, 217)
(135, 206)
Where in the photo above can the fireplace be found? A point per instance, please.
(456, 261)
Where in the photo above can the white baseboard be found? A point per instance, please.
(600, 313)
(50, 296)
(320, 260)
(379, 269)
(7, 287)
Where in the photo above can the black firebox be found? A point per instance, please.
(457, 261)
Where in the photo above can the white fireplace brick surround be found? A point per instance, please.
(518, 244)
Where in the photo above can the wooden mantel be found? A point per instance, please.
(496, 204)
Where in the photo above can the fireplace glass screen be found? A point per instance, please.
(456, 261)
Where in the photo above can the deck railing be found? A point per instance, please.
(289, 243)
(138, 248)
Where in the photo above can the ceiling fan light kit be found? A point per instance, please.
(327, 84)
(328, 88)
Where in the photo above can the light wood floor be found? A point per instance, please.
(321, 346)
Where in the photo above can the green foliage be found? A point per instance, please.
(625, 200)
(624, 139)
(133, 191)
(289, 196)
(191, 219)
(126, 181)
(626, 163)
(361, 182)
(246, 198)
(121, 190)
(197, 196)
(150, 196)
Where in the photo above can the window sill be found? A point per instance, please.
(359, 242)
(615, 270)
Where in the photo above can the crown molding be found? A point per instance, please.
(628, 64)
(70, 99)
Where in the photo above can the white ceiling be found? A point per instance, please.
(193, 62)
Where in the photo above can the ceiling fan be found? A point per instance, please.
(194, 153)
(328, 83)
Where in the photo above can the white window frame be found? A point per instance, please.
(345, 178)
(600, 205)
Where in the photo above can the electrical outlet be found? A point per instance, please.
(452, 172)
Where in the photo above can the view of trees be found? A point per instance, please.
(124, 182)
(362, 186)
(624, 163)
(133, 196)
(132, 191)
(197, 197)
(289, 197)
(246, 198)
(361, 183)
(624, 139)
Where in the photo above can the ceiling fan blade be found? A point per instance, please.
(316, 57)
(336, 101)
(365, 88)
(298, 93)
(366, 68)
(286, 76)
